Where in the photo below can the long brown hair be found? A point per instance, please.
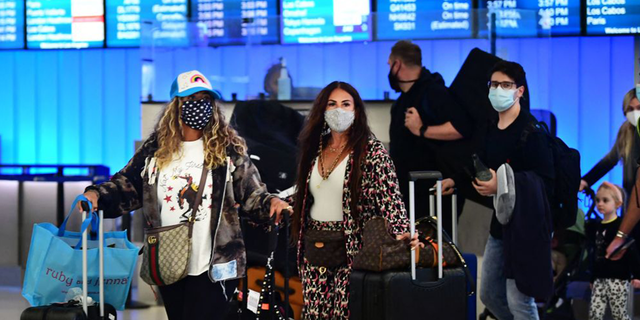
(217, 136)
(627, 130)
(309, 142)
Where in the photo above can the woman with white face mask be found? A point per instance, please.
(626, 147)
(345, 177)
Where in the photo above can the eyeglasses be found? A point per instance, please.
(504, 84)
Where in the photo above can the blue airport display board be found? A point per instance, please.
(423, 19)
(323, 21)
(167, 21)
(12, 24)
(64, 24)
(531, 18)
(608, 17)
(230, 22)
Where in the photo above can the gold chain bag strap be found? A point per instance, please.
(167, 250)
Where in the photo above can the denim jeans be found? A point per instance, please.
(499, 294)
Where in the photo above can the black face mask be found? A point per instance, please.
(196, 114)
(394, 82)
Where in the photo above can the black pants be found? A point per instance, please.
(196, 297)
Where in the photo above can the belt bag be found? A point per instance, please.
(325, 248)
(167, 250)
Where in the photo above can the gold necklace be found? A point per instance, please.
(324, 173)
(334, 150)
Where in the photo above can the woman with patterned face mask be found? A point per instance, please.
(625, 148)
(193, 169)
(345, 177)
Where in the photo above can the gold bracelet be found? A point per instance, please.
(622, 235)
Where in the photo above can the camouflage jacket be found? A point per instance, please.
(130, 189)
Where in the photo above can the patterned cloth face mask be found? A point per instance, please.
(196, 114)
(339, 120)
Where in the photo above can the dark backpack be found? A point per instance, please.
(566, 162)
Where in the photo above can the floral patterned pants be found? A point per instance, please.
(614, 292)
(325, 291)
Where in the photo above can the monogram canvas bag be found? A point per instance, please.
(167, 250)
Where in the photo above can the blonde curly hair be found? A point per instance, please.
(217, 136)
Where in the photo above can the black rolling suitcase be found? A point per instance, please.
(74, 310)
(434, 294)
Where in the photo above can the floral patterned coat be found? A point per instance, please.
(380, 196)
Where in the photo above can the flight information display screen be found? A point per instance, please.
(423, 19)
(530, 18)
(230, 22)
(323, 21)
(166, 21)
(64, 24)
(613, 17)
(12, 24)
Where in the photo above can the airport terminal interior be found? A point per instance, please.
(83, 85)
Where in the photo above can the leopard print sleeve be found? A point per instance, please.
(384, 188)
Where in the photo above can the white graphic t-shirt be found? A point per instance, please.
(177, 188)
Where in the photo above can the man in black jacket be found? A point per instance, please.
(429, 129)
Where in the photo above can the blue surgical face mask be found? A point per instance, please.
(502, 99)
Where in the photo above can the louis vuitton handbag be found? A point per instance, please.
(427, 228)
(167, 249)
(381, 251)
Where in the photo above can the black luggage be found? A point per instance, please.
(74, 310)
(271, 131)
(435, 294)
(67, 311)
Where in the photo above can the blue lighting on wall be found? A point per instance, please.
(83, 107)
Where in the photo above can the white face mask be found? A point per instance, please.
(633, 116)
(339, 120)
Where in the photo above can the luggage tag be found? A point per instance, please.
(252, 301)
(224, 271)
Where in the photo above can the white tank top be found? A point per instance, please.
(327, 194)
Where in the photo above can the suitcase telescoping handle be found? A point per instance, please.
(454, 211)
(433, 205)
(87, 208)
(413, 177)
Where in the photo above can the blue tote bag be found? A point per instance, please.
(54, 264)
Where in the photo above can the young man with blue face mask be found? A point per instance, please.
(504, 144)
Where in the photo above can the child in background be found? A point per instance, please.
(610, 279)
